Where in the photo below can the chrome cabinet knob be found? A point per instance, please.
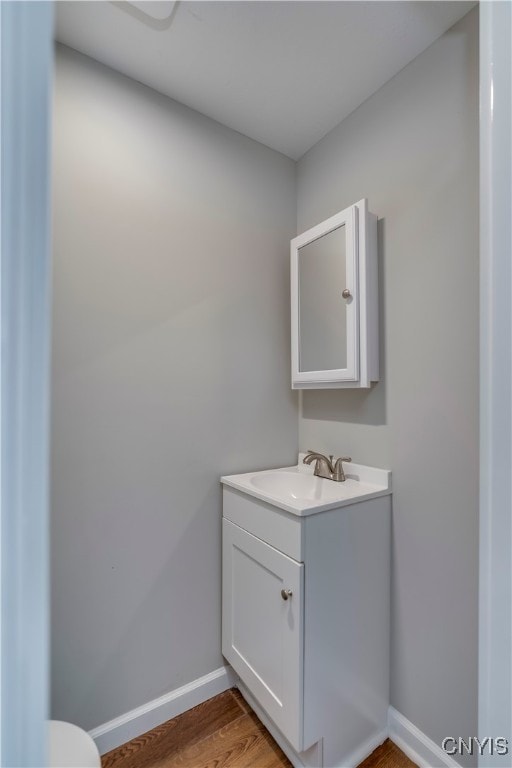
(346, 293)
(286, 593)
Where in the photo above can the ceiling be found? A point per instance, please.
(283, 73)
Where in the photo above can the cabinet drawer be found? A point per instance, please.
(276, 527)
(262, 625)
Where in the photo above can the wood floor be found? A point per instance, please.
(221, 733)
(388, 756)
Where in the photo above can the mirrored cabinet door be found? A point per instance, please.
(326, 289)
(324, 279)
(329, 305)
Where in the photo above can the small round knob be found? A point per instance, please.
(346, 293)
(286, 593)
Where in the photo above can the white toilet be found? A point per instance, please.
(71, 747)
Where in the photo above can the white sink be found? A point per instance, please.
(297, 486)
(297, 490)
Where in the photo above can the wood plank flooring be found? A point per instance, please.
(388, 756)
(221, 733)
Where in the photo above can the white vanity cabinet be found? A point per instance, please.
(263, 632)
(334, 302)
(305, 621)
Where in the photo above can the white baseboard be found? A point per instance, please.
(136, 722)
(416, 745)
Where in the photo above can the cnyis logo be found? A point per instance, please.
(475, 746)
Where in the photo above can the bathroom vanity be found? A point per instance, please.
(305, 618)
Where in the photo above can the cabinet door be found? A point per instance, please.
(325, 302)
(262, 633)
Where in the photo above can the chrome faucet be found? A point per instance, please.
(327, 467)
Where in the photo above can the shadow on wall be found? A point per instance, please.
(356, 406)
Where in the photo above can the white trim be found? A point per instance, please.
(416, 745)
(26, 101)
(495, 599)
(136, 722)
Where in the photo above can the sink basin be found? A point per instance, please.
(297, 486)
(297, 490)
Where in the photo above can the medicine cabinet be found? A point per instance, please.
(334, 302)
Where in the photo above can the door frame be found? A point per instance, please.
(495, 598)
(26, 100)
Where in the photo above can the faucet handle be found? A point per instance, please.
(338, 464)
(339, 474)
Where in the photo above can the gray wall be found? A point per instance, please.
(412, 149)
(170, 367)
